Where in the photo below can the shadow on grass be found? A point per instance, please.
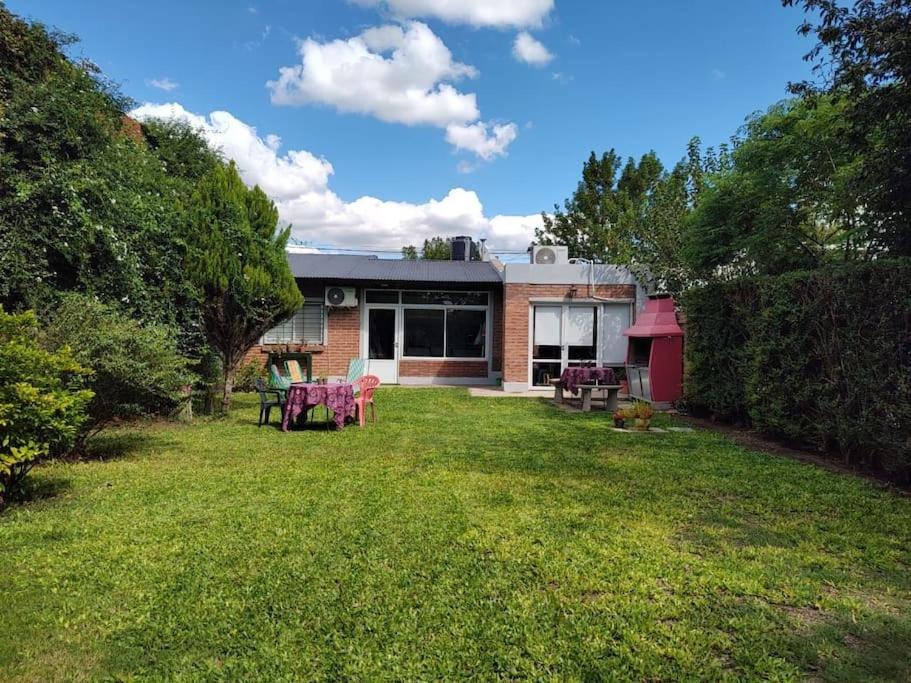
(876, 648)
(37, 487)
(116, 444)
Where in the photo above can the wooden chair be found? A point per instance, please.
(266, 403)
(367, 385)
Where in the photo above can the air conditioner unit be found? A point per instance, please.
(547, 256)
(341, 297)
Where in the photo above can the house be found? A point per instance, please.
(458, 321)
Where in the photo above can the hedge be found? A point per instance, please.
(820, 358)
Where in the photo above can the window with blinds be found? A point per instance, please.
(304, 327)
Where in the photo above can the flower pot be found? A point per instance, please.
(619, 423)
(642, 425)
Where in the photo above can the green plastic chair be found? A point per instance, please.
(278, 381)
(357, 368)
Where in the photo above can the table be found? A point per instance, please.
(610, 396)
(573, 378)
(339, 398)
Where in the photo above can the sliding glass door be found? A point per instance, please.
(562, 335)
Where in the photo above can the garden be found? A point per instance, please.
(521, 541)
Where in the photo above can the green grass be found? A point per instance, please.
(460, 537)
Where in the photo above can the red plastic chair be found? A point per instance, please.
(367, 383)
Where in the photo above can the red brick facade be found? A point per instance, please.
(516, 298)
(442, 368)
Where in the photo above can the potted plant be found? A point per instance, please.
(642, 415)
(620, 419)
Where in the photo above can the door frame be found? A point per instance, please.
(564, 359)
(396, 337)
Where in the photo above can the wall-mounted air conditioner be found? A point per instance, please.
(341, 297)
(549, 255)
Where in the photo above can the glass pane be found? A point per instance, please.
(445, 298)
(380, 296)
(547, 325)
(580, 326)
(546, 352)
(615, 319)
(424, 332)
(542, 373)
(381, 333)
(311, 324)
(465, 332)
(581, 333)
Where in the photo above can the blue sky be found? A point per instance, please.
(630, 75)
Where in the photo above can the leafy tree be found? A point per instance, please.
(593, 222)
(237, 259)
(786, 203)
(635, 216)
(864, 53)
(86, 204)
(135, 369)
(410, 253)
(42, 402)
(436, 249)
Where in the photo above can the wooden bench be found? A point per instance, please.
(610, 397)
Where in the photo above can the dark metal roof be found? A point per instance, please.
(371, 268)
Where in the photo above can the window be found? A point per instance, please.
(424, 329)
(304, 327)
(465, 333)
(445, 298)
(382, 296)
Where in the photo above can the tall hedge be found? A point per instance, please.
(821, 358)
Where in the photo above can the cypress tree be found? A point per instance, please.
(236, 256)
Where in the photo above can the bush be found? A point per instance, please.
(42, 403)
(136, 369)
(822, 358)
(248, 374)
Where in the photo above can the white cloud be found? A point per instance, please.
(486, 140)
(165, 84)
(298, 182)
(398, 74)
(718, 74)
(494, 13)
(358, 75)
(529, 50)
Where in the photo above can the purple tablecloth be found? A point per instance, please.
(302, 397)
(573, 377)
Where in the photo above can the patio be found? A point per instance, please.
(458, 537)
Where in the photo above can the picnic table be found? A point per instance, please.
(587, 380)
(302, 396)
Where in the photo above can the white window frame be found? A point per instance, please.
(488, 345)
(324, 325)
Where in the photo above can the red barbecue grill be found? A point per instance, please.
(654, 364)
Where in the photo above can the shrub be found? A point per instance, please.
(136, 369)
(248, 374)
(822, 358)
(42, 404)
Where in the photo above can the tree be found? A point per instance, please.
(236, 257)
(787, 201)
(436, 249)
(635, 219)
(136, 369)
(864, 54)
(592, 222)
(87, 204)
(42, 401)
(410, 253)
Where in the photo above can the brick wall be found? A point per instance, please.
(442, 368)
(344, 342)
(516, 299)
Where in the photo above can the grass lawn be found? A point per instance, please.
(460, 537)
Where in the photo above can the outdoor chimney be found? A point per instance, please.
(461, 248)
